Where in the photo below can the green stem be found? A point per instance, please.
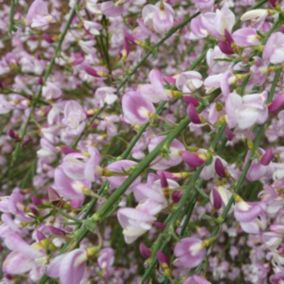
(37, 98)
(88, 126)
(140, 133)
(259, 133)
(11, 16)
(165, 237)
(155, 47)
(90, 223)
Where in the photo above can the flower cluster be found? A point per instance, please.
(141, 141)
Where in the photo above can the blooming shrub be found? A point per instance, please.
(141, 141)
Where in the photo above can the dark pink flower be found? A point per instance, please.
(277, 103)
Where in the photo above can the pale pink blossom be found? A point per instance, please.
(159, 17)
(244, 112)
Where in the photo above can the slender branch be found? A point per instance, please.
(155, 48)
(37, 98)
(11, 16)
(88, 126)
(164, 237)
(259, 133)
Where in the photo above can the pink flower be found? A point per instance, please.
(196, 279)
(136, 221)
(257, 171)
(144, 250)
(174, 154)
(219, 196)
(110, 9)
(189, 81)
(5, 106)
(192, 159)
(106, 258)
(136, 109)
(51, 91)
(38, 16)
(244, 112)
(198, 30)
(154, 92)
(219, 168)
(218, 22)
(68, 188)
(159, 17)
(277, 103)
(105, 95)
(226, 44)
(193, 114)
(14, 204)
(84, 166)
(23, 258)
(274, 48)
(154, 192)
(246, 213)
(203, 4)
(246, 37)
(69, 267)
(215, 199)
(74, 115)
(118, 172)
(189, 252)
(267, 157)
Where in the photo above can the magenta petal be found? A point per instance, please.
(144, 251)
(193, 114)
(191, 100)
(162, 258)
(276, 104)
(91, 71)
(163, 180)
(192, 159)
(267, 157)
(219, 168)
(216, 199)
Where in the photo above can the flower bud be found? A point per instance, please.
(226, 45)
(219, 168)
(176, 196)
(144, 250)
(91, 71)
(192, 159)
(193, 114)
(267, 157)
(162, 258)
(229, 134)
(276, 104)
(254, 15)
(216, 199)
(40, 236)
(191, 100)
(67, 150)
(163, 180)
